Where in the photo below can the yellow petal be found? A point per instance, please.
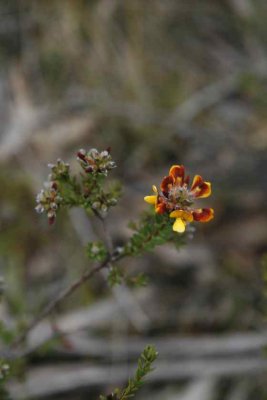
(154, 188)
(185, 215)
(179, 225)
(176, 214)
(151, 199)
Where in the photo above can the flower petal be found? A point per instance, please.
(166, 184)
(185, 215)
(160, 208)
(197, 181)
(187, 180)
(204, 190)
(200, 188)
(177, 172)
(176, 214)
(203, 214)
(151, 199)
(179, 225)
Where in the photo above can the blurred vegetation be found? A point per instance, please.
(161, 82)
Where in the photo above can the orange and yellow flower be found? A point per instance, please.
(176, 198)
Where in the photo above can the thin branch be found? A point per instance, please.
(107, 236)
(131, 308)
(62, 296)
(99, 314)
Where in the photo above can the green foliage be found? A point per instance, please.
(148, 356)
(145, 362)
(6, 335)
(138, 280)
(153, 230)
(96, 251)
(4, 373)
(3, 393)
(65, 190)
(90, 193)
(115, 276)
(4, 370)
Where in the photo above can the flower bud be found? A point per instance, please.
(104, 153)
(96, 205)
(49, 200)
(104, 208)
(112, 202)
(96, 162)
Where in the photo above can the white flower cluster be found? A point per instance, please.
(93, 161)
(48, 200)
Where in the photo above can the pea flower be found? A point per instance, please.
(176, 197)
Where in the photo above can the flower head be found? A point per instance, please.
(58, 170)
(176, 198)
(48, 200)
(93, 161)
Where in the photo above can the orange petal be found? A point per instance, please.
(203, 214)
(204, 190)
(197, 181)
(177, 172)
(160, 208)
(200, 188)
(166, 184)
(151, 199)
(187, 180)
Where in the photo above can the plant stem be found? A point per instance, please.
(87, 275)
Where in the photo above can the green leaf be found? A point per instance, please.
(145, 362)
(96, 251)
(139, 280)
(153, 230)
(115, 276)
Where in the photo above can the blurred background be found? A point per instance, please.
(162, 83)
